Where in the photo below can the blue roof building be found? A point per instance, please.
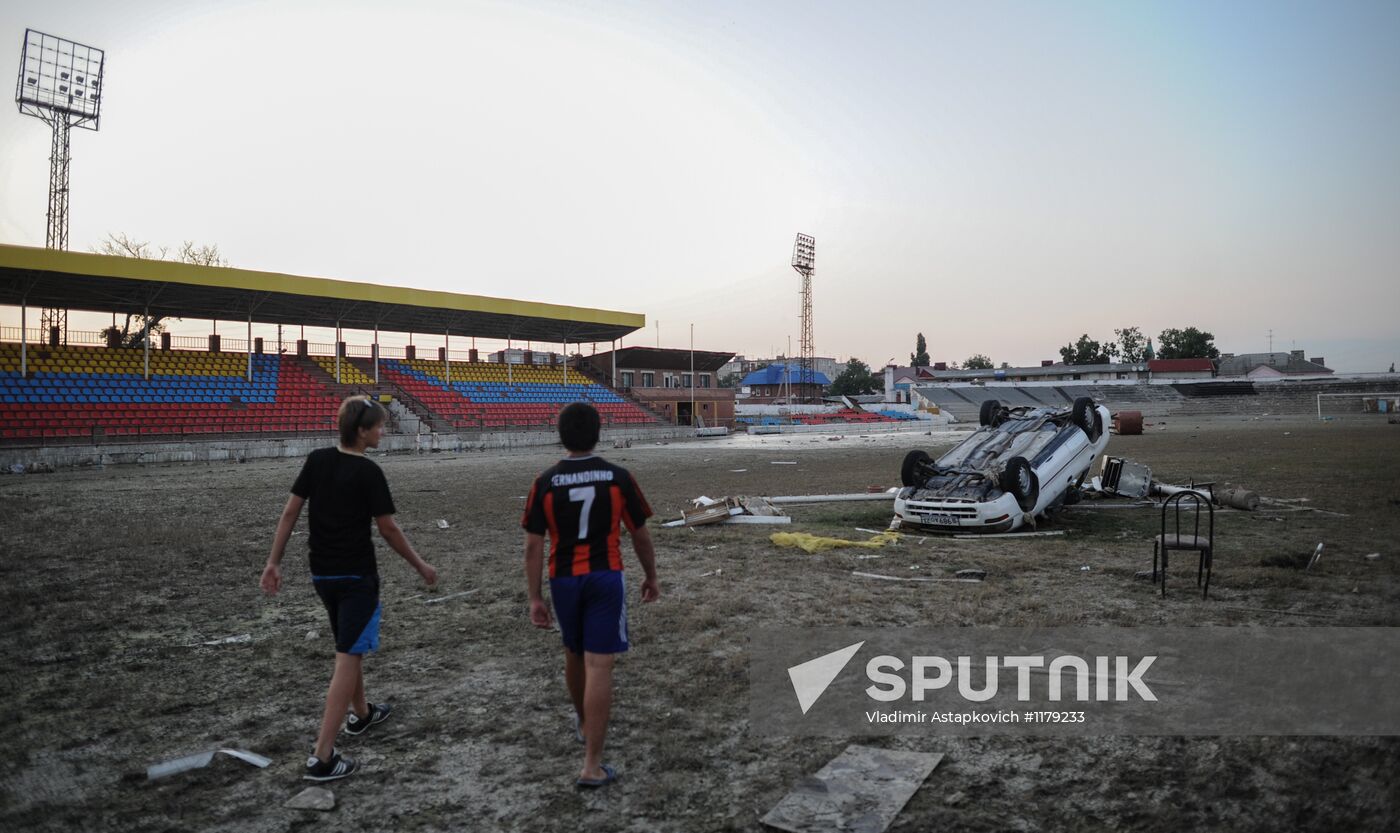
(782, 374)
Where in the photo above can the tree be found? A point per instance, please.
(1132, 347)
(855, 380)
(978, 362)
(919, 358)
(1088, 351)
(730, 380)
(1189, 343)
(120, 245)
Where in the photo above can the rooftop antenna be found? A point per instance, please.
(804, 260)
(60, 82)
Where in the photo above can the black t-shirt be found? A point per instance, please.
(580, 502)
(347, 492)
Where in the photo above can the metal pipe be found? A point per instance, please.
(249, 375)
(376, 352)
(23, 338)
(337, 352)
(146, 360)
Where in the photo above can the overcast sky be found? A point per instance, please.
(999, 176)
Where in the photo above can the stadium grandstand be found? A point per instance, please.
(90, 390)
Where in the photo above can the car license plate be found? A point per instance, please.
(935, 519)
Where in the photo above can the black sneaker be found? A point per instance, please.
(378, 713)
(338, 766)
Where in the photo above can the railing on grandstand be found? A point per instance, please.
(204, 430)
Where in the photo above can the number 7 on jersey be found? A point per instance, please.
(585, 494)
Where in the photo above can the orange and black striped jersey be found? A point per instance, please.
(581, 503)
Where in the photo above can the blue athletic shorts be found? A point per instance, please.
(592, 611)
(353, 605)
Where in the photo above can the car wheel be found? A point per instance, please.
(910, 474)
(1086, 416)
(991, 409)
(1019, 479)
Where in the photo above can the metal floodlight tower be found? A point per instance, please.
(804, 260)
(60, 82)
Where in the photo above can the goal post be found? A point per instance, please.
(1332, 405)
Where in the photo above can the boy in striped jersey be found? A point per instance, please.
(582, 502)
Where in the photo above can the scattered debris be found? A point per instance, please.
(442, 599)
(918, 578)
(862, 789)
(978, 537)
(230, 640)
(972, 574)
(1372, 556)
(40, 467)
(784, 462)
(1143, 575)
(1125, 478)
(789, 500)
(200, 760)
(310, 635)
(17, 468)
(312, 798)
(1316, 557)
(730, 510)
(442, 524)
(1084, 568)
(718, 572)
(737, 471)
(816, 543)
(1242, 499)
(1127, 423)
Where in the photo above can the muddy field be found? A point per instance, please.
(113, 578)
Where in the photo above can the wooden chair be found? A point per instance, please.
(1164, 543)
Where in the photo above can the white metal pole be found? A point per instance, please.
(566, 362)
(509, 379)
(24, 338)
(146, 361)
(447, 357)
(614, 358)
(692, 374)
(337, 352)
(249, 375)
(376, 352)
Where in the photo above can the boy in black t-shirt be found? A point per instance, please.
(581, 502)
(346, 491)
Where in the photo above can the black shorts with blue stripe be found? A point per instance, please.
(353, 605)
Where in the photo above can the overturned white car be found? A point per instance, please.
(1019, 464)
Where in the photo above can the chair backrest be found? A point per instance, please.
(1176, 505)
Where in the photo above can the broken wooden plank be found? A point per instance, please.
(862, 789)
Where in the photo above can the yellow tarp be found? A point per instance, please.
(816, 543)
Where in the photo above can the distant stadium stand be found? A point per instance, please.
(79, 393)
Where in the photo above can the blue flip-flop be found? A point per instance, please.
(609, 776)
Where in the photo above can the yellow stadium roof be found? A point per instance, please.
(103, 283)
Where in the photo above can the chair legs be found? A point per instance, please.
(1203, 569)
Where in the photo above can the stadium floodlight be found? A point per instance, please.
(804, 254)
(60, 82)
(804, 260)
